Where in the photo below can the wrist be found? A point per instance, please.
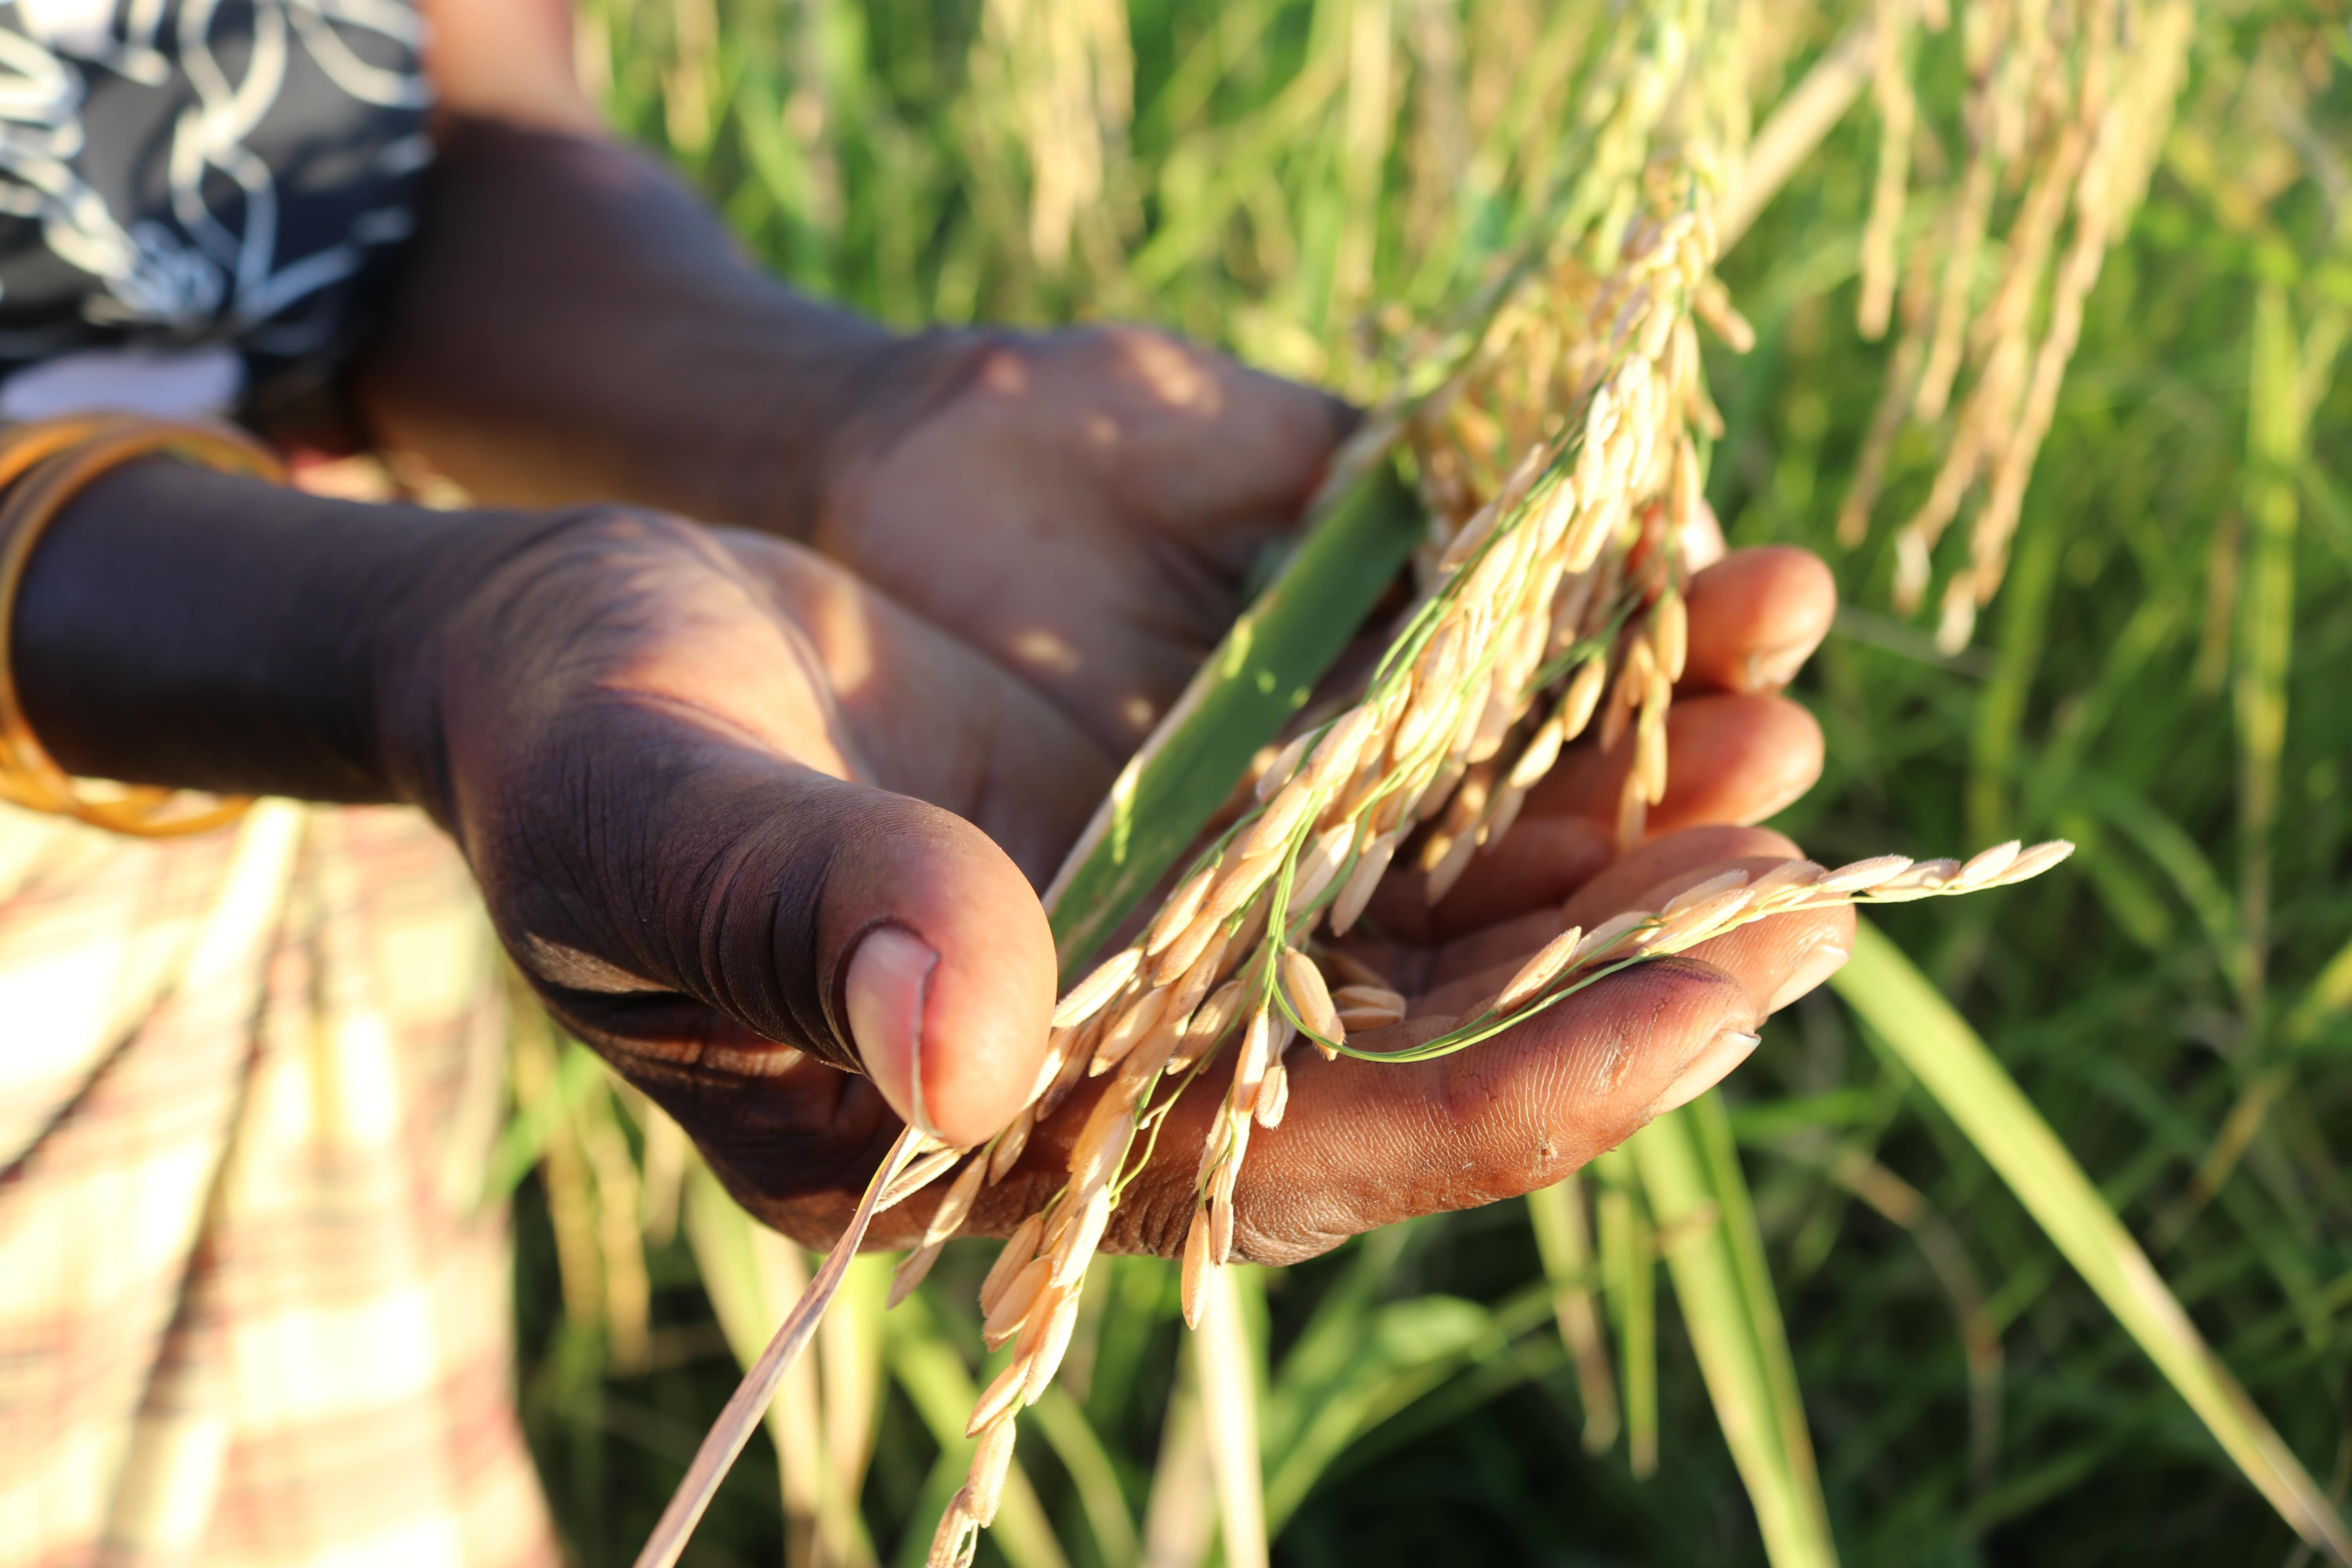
(445, 629)
(572, 325)
(186, 628)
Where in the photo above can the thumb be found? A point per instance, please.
(750, 902)
(947, 969)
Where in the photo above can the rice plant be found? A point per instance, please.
(1961, 312)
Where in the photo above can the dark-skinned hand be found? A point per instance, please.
(712, 766)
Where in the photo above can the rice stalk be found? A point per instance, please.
(849, 1365)
(1227, 1367)
(937, 1382)
(751, 1401)
(1797, 125)
(1564, 1240)
(545, 1111)
(2265, 626)
(1691, 1184)
(1628, 1280)
(753, 1275)
(1056, 82)
(1899, 1202)
(1181, 1517)
(619, 1220)
(667, 1152)
(1094, 1474)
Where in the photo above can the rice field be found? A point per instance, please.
(1949, 1322)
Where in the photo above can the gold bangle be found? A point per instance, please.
(43, 467)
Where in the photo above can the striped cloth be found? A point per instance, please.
(251, 1312)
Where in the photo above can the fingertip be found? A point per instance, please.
(1780, 959)
(1756, 617)
(950, 987)
(1493, 1122)
(1824, 959)
(1714, 1061)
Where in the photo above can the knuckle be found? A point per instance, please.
(1153, 1218)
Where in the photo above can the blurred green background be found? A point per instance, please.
(2164, 678)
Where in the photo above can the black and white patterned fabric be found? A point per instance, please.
(203, 182)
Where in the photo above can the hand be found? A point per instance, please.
(698, 773)
(1084, 508)
(1363, 1145)
(1526, 1107)
(703, 777)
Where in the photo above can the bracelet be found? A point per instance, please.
(43, 467)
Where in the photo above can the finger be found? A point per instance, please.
(1775, 960)
(1737, 759)
(1784, 957)
(657, 796)
(1645, 878)
(1364, 1144)
(1756, 617)
(1729, 758)
(1665, 865)
(1741, 975)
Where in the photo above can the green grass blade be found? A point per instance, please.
(1629, 1285)
(1954, 1066)
(2329, 506)
(2274, 438)
(1406, 1350)
(1063, 1422)
(1256, 678)
(2329, 996)
(751, 1276)
(1227, 1360)
(1710, 1121)
(1690, 1173)
(2174, 852)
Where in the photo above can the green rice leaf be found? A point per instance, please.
(1954, 1066)
(1257, 678)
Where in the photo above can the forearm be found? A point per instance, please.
(574, 325)
(184, 628)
